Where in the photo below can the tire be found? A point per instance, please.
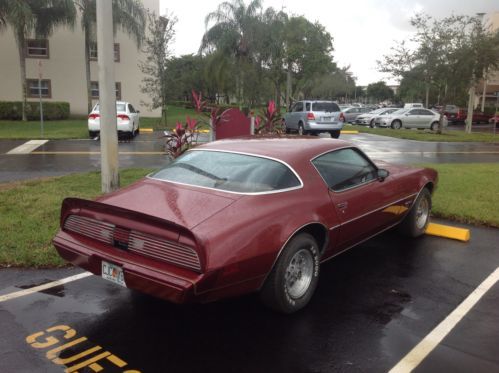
(335, 134)
(138, 130)
(434, 126)
(301, 129)
(396, 124)
(286, 129)
(372, 124)
(292, 282)
(92, 134)
(416, 221)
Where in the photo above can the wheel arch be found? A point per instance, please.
(315, 229)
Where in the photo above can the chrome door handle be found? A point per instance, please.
(342, 205)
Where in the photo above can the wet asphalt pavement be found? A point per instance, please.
(373, 304)
(59, 157)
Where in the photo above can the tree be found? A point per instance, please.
(128, 15)
(379, 91)
(184, 74)
(234, 35)
(156, 45)
(37, 18)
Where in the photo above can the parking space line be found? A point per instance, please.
(48, 285)
(27, 147)
(426, 346)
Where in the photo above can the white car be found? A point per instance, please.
(367, 119)
(127, 120)
(410, 118)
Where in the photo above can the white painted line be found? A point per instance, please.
(27, 147)
(38, 288)
(423, 348)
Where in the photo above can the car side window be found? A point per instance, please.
(345, 168)
(298, 107)
(131, 109)
(425, 112)
(413, 112)
(307, 106)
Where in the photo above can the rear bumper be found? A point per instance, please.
(162, 283)
(314, 126)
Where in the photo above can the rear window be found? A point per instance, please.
(231, 172)
(119, 107)
(328, 107)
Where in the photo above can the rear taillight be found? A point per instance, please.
(93, 116)
(342, 117)
(310, 116)
(123, 117)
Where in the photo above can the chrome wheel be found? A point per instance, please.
(299, 273)
(301, 131)
(422, 212)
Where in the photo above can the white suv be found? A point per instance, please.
(314, 116)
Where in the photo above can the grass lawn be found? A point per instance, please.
(29, 211)
(77, 128)
(29, 215)
(427, 135)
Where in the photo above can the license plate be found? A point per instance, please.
(113, 273)
(326, 119)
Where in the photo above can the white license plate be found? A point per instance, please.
(113, 273)
(326, 119)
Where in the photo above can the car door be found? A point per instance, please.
(411, 119)
(426, 117)
(297, 114)
(364, 204)
(133, 116)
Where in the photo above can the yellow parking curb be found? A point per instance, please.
(349, 132)
(447, 231)
(146, 130)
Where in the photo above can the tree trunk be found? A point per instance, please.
(21, 46)
(87, 67)
(471, 103)
(427, 95)
(288, 86)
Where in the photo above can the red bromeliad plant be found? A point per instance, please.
(269, 121)
(183, 137)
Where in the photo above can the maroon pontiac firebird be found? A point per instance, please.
(238, 216)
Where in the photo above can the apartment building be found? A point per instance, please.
(62, 60)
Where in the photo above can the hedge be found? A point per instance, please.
(54, 110)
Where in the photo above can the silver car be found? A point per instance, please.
(313, 117)
(367, 119)
(352, 113)
(410, 118)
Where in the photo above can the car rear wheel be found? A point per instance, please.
(286, 129)
(92, 134)
(335, 134)
(292, 282)
(434, 126)
(301, 129)
(396, 124)
(372, 124)
(416, 221)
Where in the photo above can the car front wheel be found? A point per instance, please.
(396, 125)
(335, 134)
(292, 282)
(434, 126)
(418, 218)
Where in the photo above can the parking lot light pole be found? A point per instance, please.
(110, 179)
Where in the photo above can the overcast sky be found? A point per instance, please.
(362, 30)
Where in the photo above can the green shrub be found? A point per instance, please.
(12, 110)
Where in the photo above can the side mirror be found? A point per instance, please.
(382, 174)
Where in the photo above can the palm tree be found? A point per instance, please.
(128, 15)
(33, 17)
(233, 34)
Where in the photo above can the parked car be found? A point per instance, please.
(312, 116)
(240, 216)
(367, 119)
(410, 118)
(352, 113)
(127, 118)
(494, 120)
(462, 114)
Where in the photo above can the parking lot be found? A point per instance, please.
(373, 304)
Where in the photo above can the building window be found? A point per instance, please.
(37, 48)
(34, 87)
(93, 52)
(94, 89)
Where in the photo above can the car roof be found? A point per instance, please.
(290, 149)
